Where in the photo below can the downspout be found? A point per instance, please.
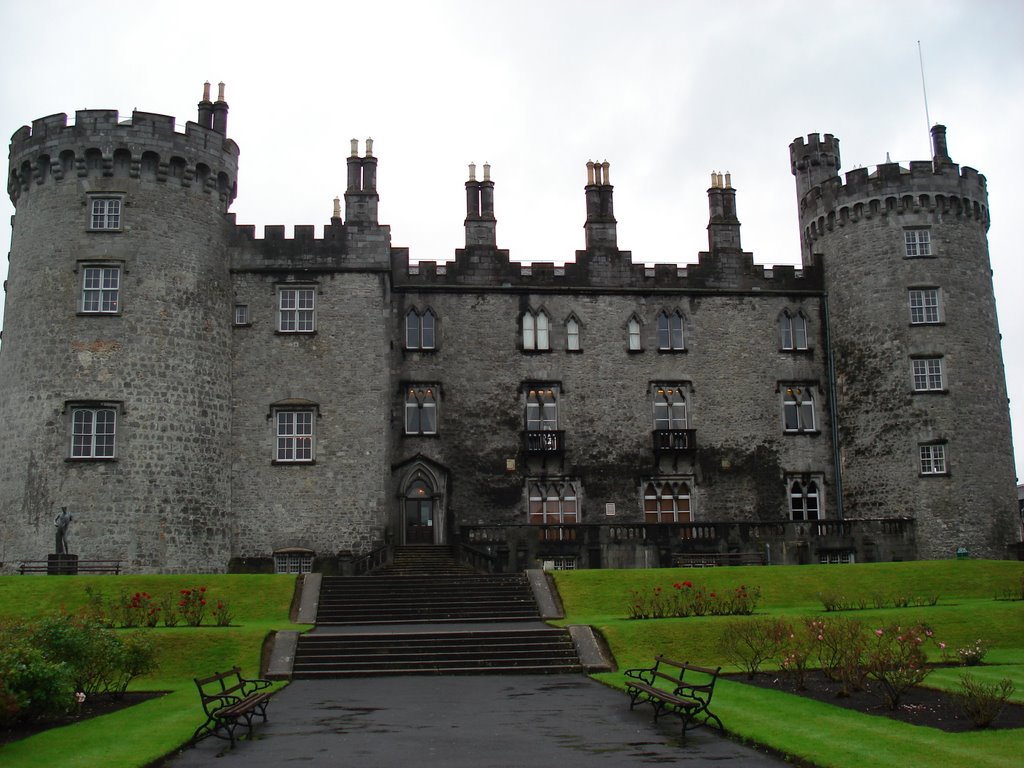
(833, 409)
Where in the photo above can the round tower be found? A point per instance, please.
(920, 386)
(114, 372)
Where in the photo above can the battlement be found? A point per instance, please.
(491, 269)
(342, 248)
(99, 143)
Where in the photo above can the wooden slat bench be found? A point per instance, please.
(228, 700)
(70, 567)
(667, 689)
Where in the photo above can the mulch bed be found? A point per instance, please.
(918, 706)
(93, 706)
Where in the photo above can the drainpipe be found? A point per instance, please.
(833, 409)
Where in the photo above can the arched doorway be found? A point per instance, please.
(418, 513)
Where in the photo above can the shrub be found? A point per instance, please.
(192, 605)
(169, 610)
(96, 610)
(796, 649)
(99, 660)
(982, 703)
(834, 601)
(897, 660)
(685, 599)
(221, 613)
(972, 655)
(748, 644)
(31, 686)
(138, 609)
(840, 652)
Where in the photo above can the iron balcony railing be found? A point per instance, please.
(675, 440)
(545, 441)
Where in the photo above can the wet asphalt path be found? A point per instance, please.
(478, 721)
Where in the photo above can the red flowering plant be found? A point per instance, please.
(138, 609)
(221, 613)
(684, 599)
(192, 605)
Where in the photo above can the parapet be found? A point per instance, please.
(99, 143)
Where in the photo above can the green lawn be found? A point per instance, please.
(138, 735)
(819, 733)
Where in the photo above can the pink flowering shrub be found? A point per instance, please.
(895, 658)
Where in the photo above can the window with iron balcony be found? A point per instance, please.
(542, 433)
(671, 429)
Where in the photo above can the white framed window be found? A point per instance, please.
(927, 373)
(101, 289)
(924, 306)
(836, 558)
(572, 334)
(566, 563)
(667, 501)
(553, 502)
(918, 242)
(633, 334)
(793, 327)
(105, 213)
(542, 409)
(420, 330)
(670, 332)
(293, 562)
(804, 499)
(241, 314)
(421, 410)
(294, 435)
(798, 408)
(536, 331)
(933, 458)
(93, 432)
(669, 407)
(295, 310)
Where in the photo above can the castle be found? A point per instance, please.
(202, 399)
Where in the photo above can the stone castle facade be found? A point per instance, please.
(202, 399)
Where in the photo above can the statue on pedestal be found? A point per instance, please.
(62, 522)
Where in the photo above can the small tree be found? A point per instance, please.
(897, 660)
(748, 644)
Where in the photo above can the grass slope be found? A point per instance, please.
(138, 735)
(809, 731)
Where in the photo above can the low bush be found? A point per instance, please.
(748, 644)
(31, 685)
(982, 702)
(684, 599)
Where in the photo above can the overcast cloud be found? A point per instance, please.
(665, 91)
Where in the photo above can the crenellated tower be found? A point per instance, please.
(115, 372)
(921, 394)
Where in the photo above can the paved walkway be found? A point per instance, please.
(479, 721)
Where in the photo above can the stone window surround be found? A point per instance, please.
(918, 242)
(535, 328)
(925, 303)
(74, 407)
(932, 459)
(419, 399)
(794, 331)
(553, 500)
(416, 324)
(297, 315)
(671, 331)
(681, 497)
(804, 487)
(105, 211)
(672, 400)
(798, 406)
(294, 438)
(923, 370)
(82, 267)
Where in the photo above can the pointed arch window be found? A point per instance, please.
(667, 501)
(420, 330)
(536, 331)
(798, 408)
(670, 332)
(804, 500)
(572, 334)
(553, 503)
(793, 327)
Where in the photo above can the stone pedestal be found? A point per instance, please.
(58, 565)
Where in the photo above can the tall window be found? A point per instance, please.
(667, 502)
(798, 408)
(927, 374)
(572, 335)
(924, 305)
(105, 213)
(421, 410)
(918, 242)
(933, 458)
(536, 328)
(669, 408)
(794, 331)
(633, 332)
(294, 436)
(670, 331)
(420, 330)
(542, 409)
(93, 431)
(101, 287)
(804, 500)
(296, 309)
(553, 503)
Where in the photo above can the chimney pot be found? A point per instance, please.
(472, 171)
(220, 91)
(369, 147)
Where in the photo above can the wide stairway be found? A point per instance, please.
(426, 614)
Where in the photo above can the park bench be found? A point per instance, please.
(666, 687)
(228, 701)
(70, 567)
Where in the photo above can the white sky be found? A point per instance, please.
(665, 91)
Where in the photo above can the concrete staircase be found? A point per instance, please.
(426, 614)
